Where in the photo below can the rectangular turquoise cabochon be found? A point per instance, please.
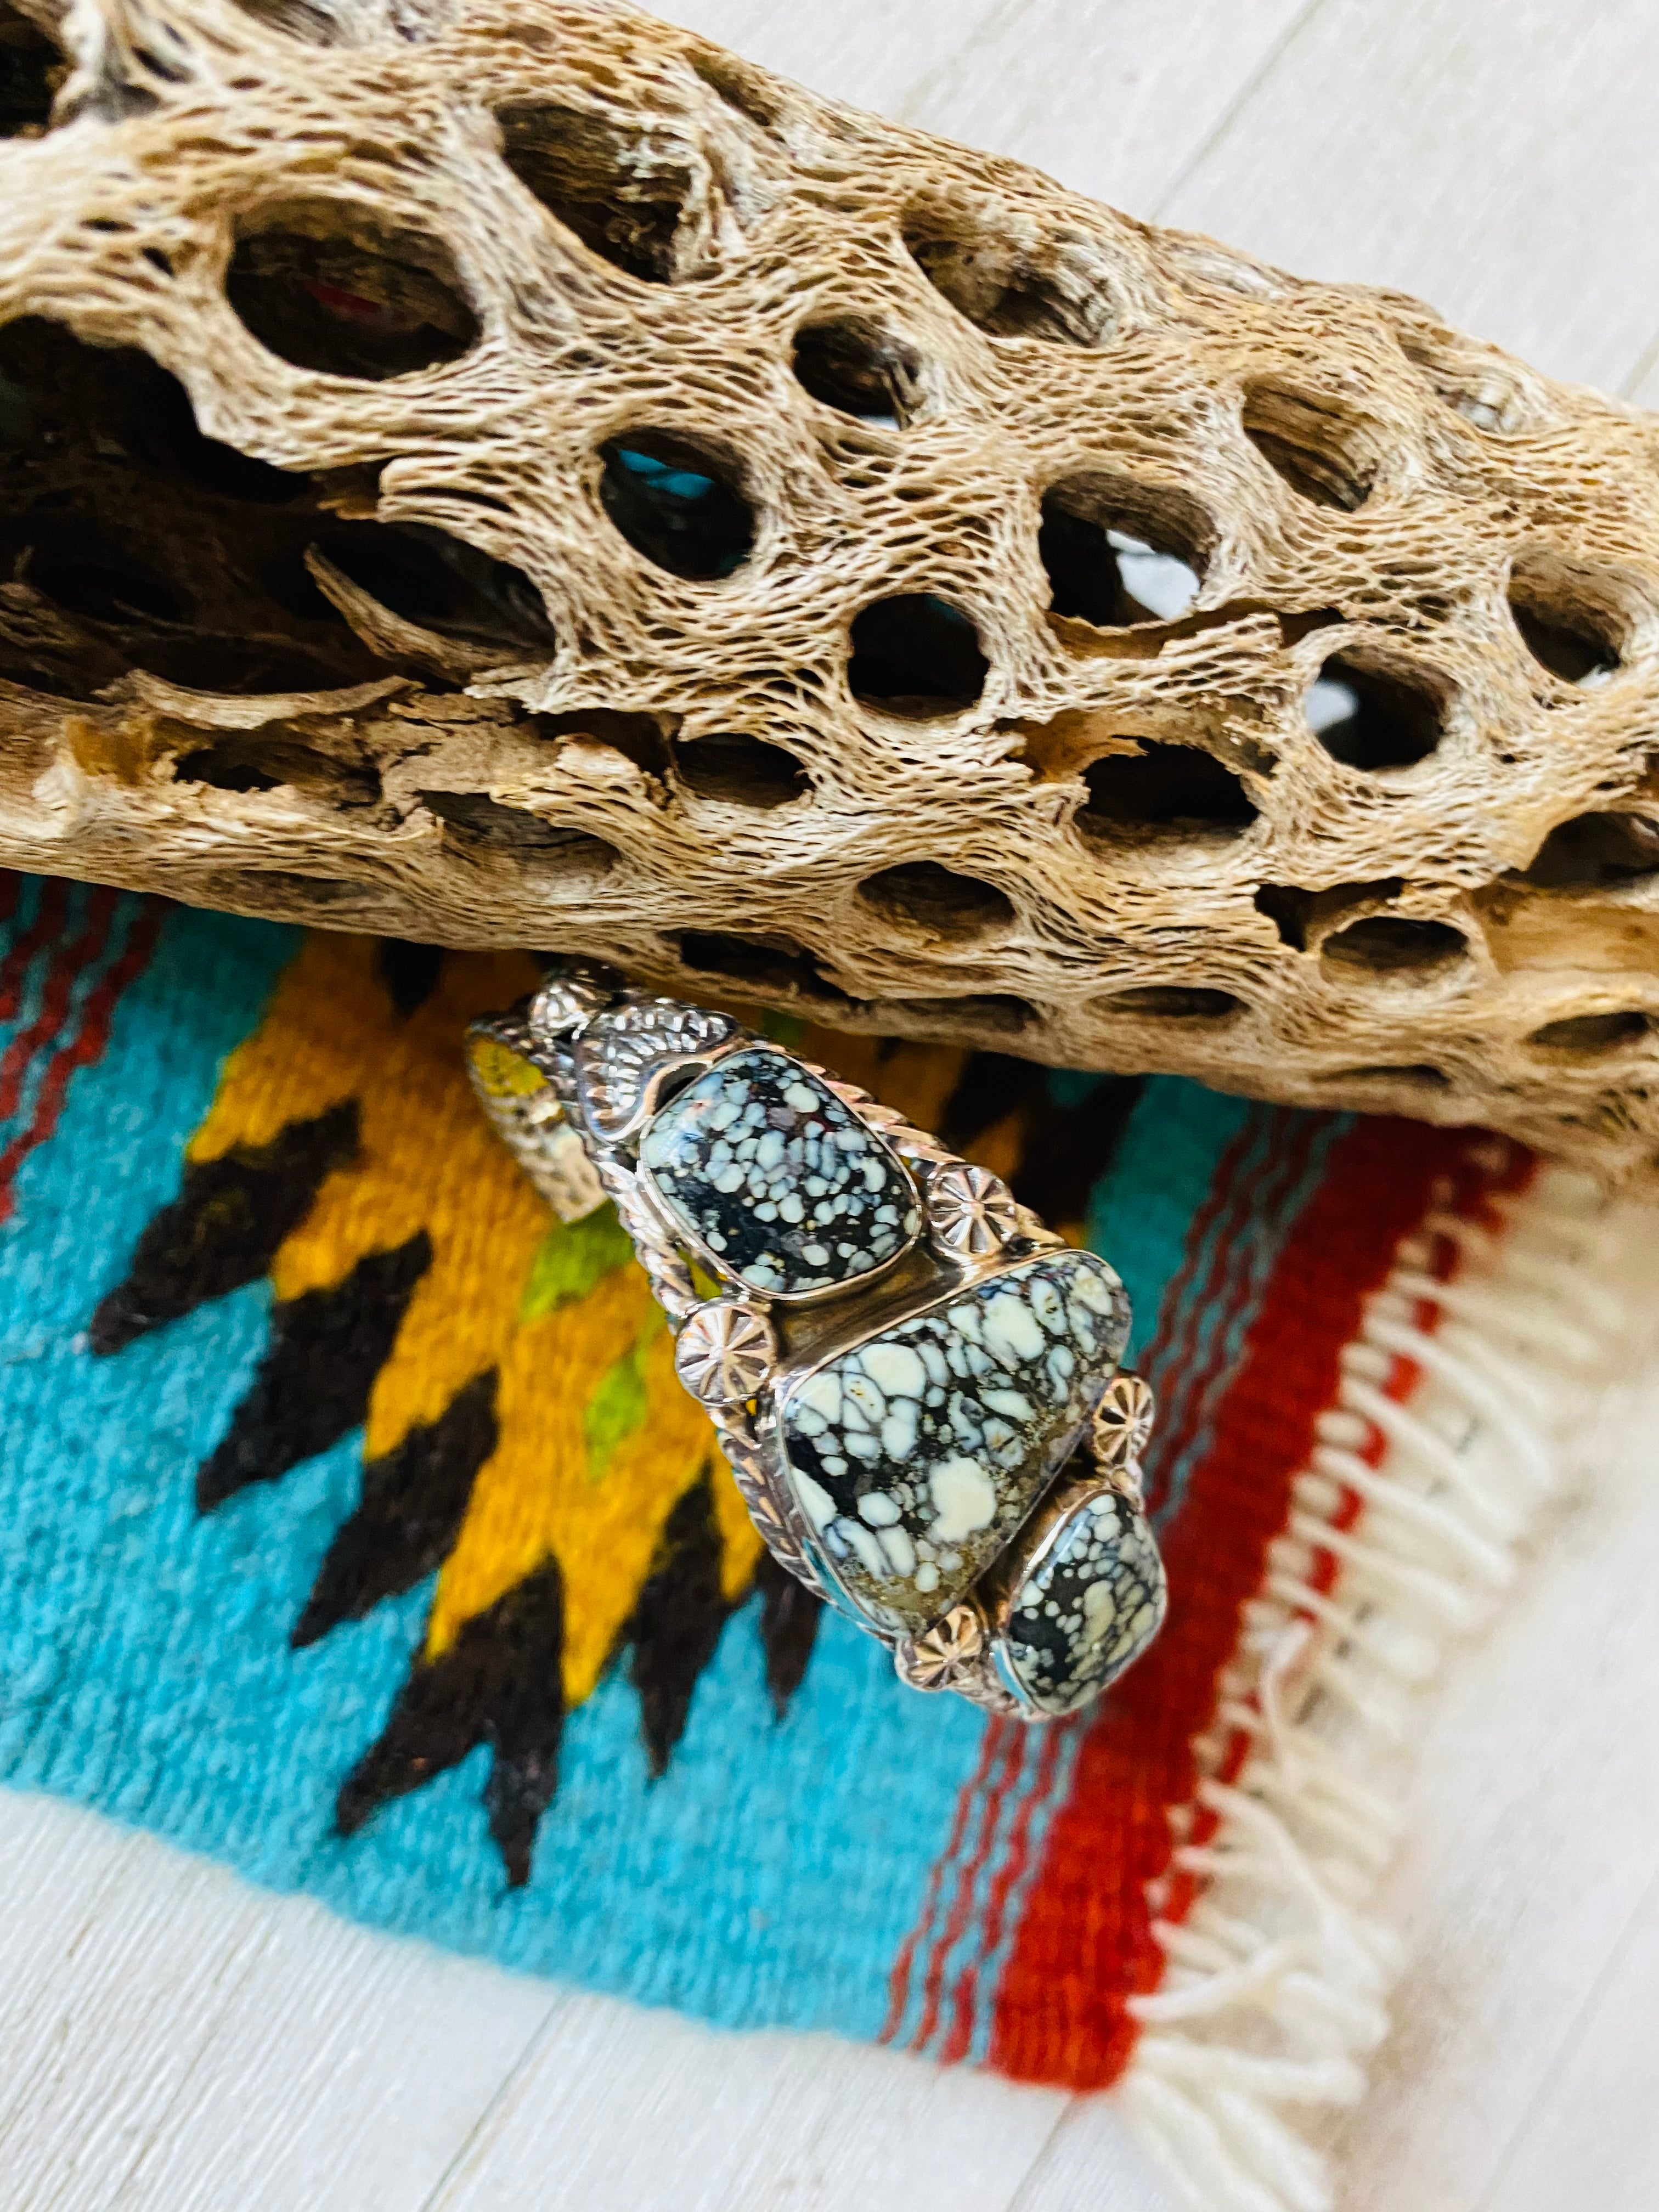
(768, 1878)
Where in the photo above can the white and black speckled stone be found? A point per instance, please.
(1088, 1609)
(917, 1455)
(763, 1163)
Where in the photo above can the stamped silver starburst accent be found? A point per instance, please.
(1122, 1423)
(725, 1352)
(944, 1654)
(970, 1211)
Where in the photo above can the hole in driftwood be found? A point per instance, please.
(742, 770)
(1110, 578)
(172, 438)
(1395, 945)
(858, 368)
(743, 90)
(514, 828)
(1288, 909)
(1323, 453)
(1056, 291)
(1592, 851)
(916, 656)
(997, 1011)
(31, 70)
(142, 533)
(1463, 376)
(933, 901)
(1419, 1076)
(329, 288)
(1294, 912)
(771, 964)
(1587, 1035)
(261, 761)
(1119, 552)
(312, 25)
(1168, 790)
(679, 502)
(637, 738)
(77, 570)
(1371, 712)
(442, 584)
(614, 186)
(1181, 1002)
(1570, 620)
(223, 770)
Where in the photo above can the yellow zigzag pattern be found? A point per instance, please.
(597, 1441)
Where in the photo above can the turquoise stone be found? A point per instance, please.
(1088, 1608)
(760, 1162)
(917, 1454)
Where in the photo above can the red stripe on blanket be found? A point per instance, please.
(88, 1026)
(960, 2039)
(1086, 1944)
(1007, 1774)
(69, 957)
(966, 1802)
(19, 957)
(1210, 1286)
(1186, 1388)
(1504, 1167)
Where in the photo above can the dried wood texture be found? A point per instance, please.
(518, 474)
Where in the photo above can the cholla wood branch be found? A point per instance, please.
(516, 474)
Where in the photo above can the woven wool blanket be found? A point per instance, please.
(354, 1530)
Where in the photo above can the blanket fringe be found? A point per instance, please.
(1429, 1469)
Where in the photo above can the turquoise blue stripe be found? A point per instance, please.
(1041, 1818)
(1140, 1211)
(1273, 1185)
(961, 1954)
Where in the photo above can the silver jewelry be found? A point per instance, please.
(916, 1384)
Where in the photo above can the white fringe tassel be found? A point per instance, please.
(1275, 1983)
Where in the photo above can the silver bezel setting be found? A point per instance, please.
(711, 1262)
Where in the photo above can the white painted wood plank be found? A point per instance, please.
(173, 2040)
(625, 2108)
(1500, 160)
(1643, 387)
(1594, 2138)
(1091, 2164)
(870, 57)
(110, 1978)
(1112, 97)
(1531, 1841)
(343, 2077)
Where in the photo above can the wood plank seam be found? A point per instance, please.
(1252, 84)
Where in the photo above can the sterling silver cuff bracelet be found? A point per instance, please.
(917, 1383)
